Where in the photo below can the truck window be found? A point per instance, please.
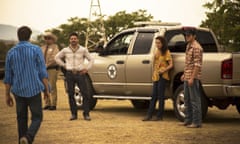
(143, 43)
(120, 44)
(207, 41)
(176, 41)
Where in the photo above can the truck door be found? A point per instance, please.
(109, 75)
(139, 65)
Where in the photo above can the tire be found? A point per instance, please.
(238, 108)
(140, 104)
(79, 98)
(178, 103)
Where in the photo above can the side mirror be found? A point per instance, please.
(99, 49)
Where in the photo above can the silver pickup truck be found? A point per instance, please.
(123, 70)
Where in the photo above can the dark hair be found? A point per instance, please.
(24, 33)
(189, 31)
(73, 34)
(164, 44)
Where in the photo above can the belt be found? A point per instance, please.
(73, 71)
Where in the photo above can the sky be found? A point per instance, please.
(47, 14)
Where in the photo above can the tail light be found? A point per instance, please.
(227, 69)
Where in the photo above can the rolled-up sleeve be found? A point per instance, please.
(8, 77)
(41, 64)
(58, 58)
(89, 58)
(197, 57)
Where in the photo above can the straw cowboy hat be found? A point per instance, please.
(51, 35)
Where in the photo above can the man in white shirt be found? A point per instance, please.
(76, 73)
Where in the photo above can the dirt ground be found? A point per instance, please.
(117, 122)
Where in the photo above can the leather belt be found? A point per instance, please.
(74, 71)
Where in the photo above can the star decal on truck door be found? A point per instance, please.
(112, 71)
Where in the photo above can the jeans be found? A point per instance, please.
(157, 94)
(80, 80)
(192, 99)
(35, 105)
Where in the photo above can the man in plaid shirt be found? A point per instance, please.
(191, 78)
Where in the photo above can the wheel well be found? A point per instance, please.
(177, 81)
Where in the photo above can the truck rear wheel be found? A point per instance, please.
(140, 104)
(178, 103)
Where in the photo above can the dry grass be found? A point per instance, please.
(117, 122)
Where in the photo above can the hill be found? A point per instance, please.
(9, 32)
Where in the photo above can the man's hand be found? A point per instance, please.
(9, 100)
(182, 78)
(190, 82)
(46, 95)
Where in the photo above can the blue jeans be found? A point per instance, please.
(35, 105)
(80, 80)
(192, 99)
(157, 94)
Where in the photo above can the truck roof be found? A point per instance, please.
(158, 26)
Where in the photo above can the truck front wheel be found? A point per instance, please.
(79, 98)
(178, 103)
(140, 104)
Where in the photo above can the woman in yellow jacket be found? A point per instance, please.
(162, 64)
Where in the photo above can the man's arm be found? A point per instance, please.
(197, 64)
(89, 58)
(46, 87)
(8, 80)
(9, 99)
(58, 58)
(90, 62)
(43, 75)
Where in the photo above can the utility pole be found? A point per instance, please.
(95, 33)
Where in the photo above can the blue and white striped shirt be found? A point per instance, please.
(24, 69)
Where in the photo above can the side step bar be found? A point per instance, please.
(121, 97)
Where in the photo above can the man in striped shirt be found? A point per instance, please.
(74, 56)
(191, 78)
(26, 77)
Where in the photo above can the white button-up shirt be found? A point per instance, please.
(74, 60)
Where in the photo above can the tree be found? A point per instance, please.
(224, 20)
(113, 24)
(123, 20)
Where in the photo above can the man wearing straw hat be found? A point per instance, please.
(50, 49)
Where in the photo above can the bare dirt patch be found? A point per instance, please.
(118, 122)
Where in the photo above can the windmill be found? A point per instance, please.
(95, 30)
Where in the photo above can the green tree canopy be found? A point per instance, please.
(224, 19)
(113, 24)
(123, 20)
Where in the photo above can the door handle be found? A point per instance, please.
(146, 61)
(120, 62)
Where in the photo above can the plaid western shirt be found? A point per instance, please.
(194, 54)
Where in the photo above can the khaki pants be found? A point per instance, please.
(52, 76)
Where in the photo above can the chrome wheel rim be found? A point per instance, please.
(180, 104)
(78, 96)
